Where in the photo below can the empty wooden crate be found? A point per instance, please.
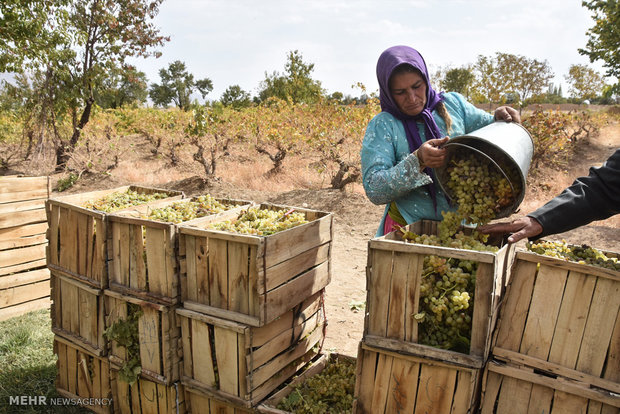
(243, 364)
(393, 280)
(153, 326)
(78, 235)
(254, 279)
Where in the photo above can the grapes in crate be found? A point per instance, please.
(121, 200)
(261, 222)
(583, 254)
(181, 211)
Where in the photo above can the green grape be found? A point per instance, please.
(583, 254)
(181, 211)
(330, 391)
(261, 222)
(121, 200)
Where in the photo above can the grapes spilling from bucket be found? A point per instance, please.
(261, 222)
(583, 254)
(181, 211)
(121, 200)
(447, 288)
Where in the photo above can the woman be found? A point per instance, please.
(403, 143)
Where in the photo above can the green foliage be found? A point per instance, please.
(236, 97)
(126, 334)
(458, 80)
(296, 84)
(551, 142)
(177, 85)
(123, 86)
(67, 182)
(585, 82)
(604, 37)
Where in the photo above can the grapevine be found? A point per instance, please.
(120, 200)
(201, 206)
(261, 222)
(125, 333)
(583, 254)
(331, 391)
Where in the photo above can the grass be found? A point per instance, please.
(28, 364)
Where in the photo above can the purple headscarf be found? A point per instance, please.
(388, 61)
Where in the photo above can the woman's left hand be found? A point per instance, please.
(508, 114)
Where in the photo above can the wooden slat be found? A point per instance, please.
(202, 354)
(17, 183)
(25, 205)
(282, 272)
(397, 315)
(439, 383)
(23, 267)
(222, 313)
(36, 194)
(22, 255)
(602, 317)
(238, 277)
(226, 348)
(218, 273)
(402, 387)
(203, 284)
(150, 335)
(464, 392)
(25, 231)
(6, 244)
(24, 278)
(568, 265)
(482, 309)
(399, 246)
(25, 293)
(22, 218)
(280, 300)
(381, 384)
(379, 276)
(22, 308)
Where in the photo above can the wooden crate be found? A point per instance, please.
(527, 385)
(199, 402)
(77, 313)
(254, 279)
(143, 253)
(393, 278)
(391, 382)
(561, 313)
(159, 335)
(242, 364)
(146, 396)
(83, 375)
(78, 236)
(314, 367)
(24, 280)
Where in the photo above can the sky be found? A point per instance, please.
(236, 42)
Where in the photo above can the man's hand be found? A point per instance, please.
(520, 228)
(430, 154)
(508, 114)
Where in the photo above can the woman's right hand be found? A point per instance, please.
(430, 154)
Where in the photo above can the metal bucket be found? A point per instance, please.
(508, 146)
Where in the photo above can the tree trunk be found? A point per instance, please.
(63, 151)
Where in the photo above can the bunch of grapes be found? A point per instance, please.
(201, 206)
(121, 200)
(261, 222)
(479, 189)
(583, 254)
(331, 391)
(447, 292)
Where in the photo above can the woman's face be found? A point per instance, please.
(408, 90)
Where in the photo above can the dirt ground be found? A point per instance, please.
(356, 221)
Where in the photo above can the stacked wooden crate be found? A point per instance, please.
(251, 311)
(77, 259)
(557, 344)
(24, 280)
(395, 372)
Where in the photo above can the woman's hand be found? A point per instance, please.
(508, 114)
(430, 154)
(520, 228)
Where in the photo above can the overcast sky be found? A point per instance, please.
(234, 42)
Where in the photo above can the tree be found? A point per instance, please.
(523, 76)
(604, 37)
(124, 86)
(296, 84)
(177, 85)
(235, 97)
(585, 82)
(487, 87)
(69, 48)
(459, 80)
